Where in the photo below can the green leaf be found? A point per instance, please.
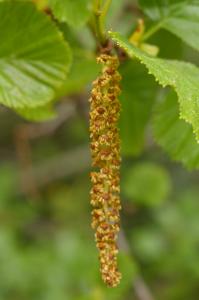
(83, 71)
(34, 59)
(174, 135)
(170, 46)
(39, 114)
(8, 183)
(84, 68)
(180, 17)
(182, 76)
(147, 183)
(149, 244)
(137, 99)
(73, 12)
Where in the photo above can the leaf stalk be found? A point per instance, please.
(152, 31)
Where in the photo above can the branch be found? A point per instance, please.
(63, 165)
(26, 132)
(139, 285)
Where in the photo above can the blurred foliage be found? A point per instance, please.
(147, 183)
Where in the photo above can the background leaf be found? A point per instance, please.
(147, 183)
(83, 71)
(84, 68)
(75, 12)
(34, 59)
(173, 134)
(182, 76)
(137, 99)
(180, 17)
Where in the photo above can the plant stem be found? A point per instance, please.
(152, 31)
(106, 8)
(99, 14)
(141, 289)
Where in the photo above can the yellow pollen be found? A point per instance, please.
(105, 152)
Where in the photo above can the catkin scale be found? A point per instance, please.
(105, 152)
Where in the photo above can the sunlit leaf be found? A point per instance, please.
(182, 76)
(34, 58)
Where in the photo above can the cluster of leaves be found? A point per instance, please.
(177, 132)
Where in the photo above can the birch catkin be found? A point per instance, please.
(105, 151)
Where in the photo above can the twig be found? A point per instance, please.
(63, 165)
(140, 287)
(23, 150)
(24, 133)
(65, 111)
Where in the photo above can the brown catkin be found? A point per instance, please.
(105, 151)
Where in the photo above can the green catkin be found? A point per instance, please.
(106, 159)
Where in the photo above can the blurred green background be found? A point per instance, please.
(47, 249)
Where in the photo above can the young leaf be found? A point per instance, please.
(73, 12)
(137, 99)
(180, 17)
(34, 59)
(174, 135)
(182, 76)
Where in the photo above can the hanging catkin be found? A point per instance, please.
(105, 150)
